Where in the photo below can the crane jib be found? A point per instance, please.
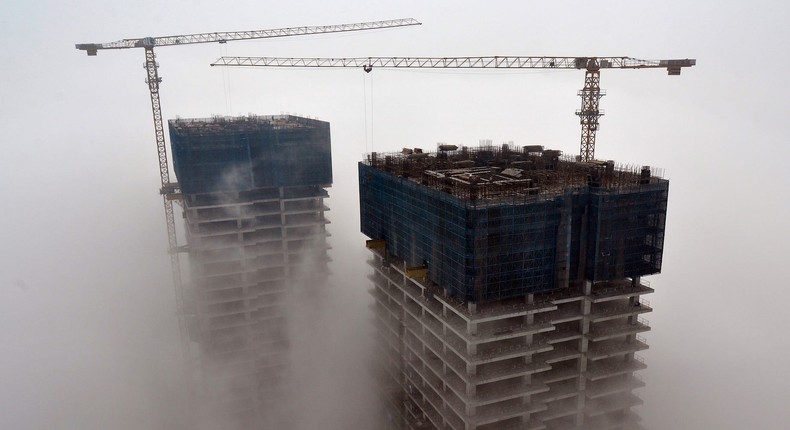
(223, 37)
(497, 62)
(591, 94)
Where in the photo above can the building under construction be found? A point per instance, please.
(253, 190)
(508, 286)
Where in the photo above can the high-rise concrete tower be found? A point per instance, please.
(508, 286)
(253, 191)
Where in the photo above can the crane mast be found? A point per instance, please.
(170, 190)
(591, 94)
(590, 113)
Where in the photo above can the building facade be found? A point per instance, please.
(508, 286)
(253, 195)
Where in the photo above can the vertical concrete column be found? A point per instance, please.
(235, 211)
(283, 231)
(529, 318)
(586, 309)
(470, 411)
(633, 301)
(633, 319)
(525, 418)
(471, 388)
(471, 328)
(584, 342)
(283, 219)
(320, 204)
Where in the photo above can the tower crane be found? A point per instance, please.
(591, 94)
(170, 190)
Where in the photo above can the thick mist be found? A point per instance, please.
(331, 327)
(312, 340)
(88, 332)
(87, 317)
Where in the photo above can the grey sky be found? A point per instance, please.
(86, 309)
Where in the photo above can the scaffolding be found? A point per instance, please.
(491, 223)
(254, 213)
(246, 153)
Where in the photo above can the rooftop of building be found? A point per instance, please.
(491, 172)
(223, 124)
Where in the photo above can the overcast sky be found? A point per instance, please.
(88, 336)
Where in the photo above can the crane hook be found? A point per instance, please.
(367, 68)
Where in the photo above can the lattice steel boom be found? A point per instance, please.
(590, 94)
(225, 36)
(170, 190)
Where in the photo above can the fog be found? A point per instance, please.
(88, 333)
